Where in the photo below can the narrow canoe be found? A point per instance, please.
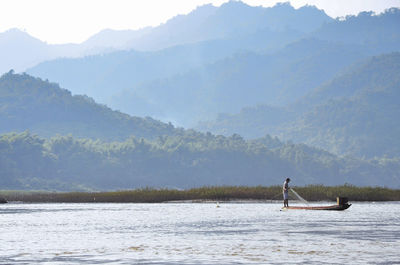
(335, 207)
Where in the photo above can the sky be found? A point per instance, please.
(74, 21)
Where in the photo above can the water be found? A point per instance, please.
(198, 233)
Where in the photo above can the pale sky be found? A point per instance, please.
(66, 21)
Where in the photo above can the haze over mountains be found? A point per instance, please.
(356, 113)
(234, 70)
(205, 23)
(263, 64)
(204, 36)
(19, 50)
(89, 146)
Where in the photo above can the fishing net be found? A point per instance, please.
(299, 197)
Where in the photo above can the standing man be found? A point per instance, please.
(285, 190)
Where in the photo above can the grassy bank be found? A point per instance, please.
(224, 193)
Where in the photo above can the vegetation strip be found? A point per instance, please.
(223, 193)
(65, 163)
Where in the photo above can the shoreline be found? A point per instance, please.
(238, 194)
(293, 202)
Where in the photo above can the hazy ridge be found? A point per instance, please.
(355, 113)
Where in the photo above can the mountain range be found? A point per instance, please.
(90, 147)
(356, 113)
(270, 92)
(264, 64)
(20, 51)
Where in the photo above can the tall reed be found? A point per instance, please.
(211, 193)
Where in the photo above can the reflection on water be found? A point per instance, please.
(184, 233)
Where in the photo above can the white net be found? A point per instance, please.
(299, 197)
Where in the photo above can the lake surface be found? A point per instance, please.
(198, 233)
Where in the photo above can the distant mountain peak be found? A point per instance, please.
(311, 9)
(234, 4)
(205, 8)
(15, 31)
(284, 5)
(17, 34)
(200, 12)
(394, 11)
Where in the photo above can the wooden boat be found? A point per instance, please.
(342, 204)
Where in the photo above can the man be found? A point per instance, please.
(285, 190)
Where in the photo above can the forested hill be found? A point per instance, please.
(189, 160)
(377, 73)
(28, 103)
(355, 113)
(378, 33)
